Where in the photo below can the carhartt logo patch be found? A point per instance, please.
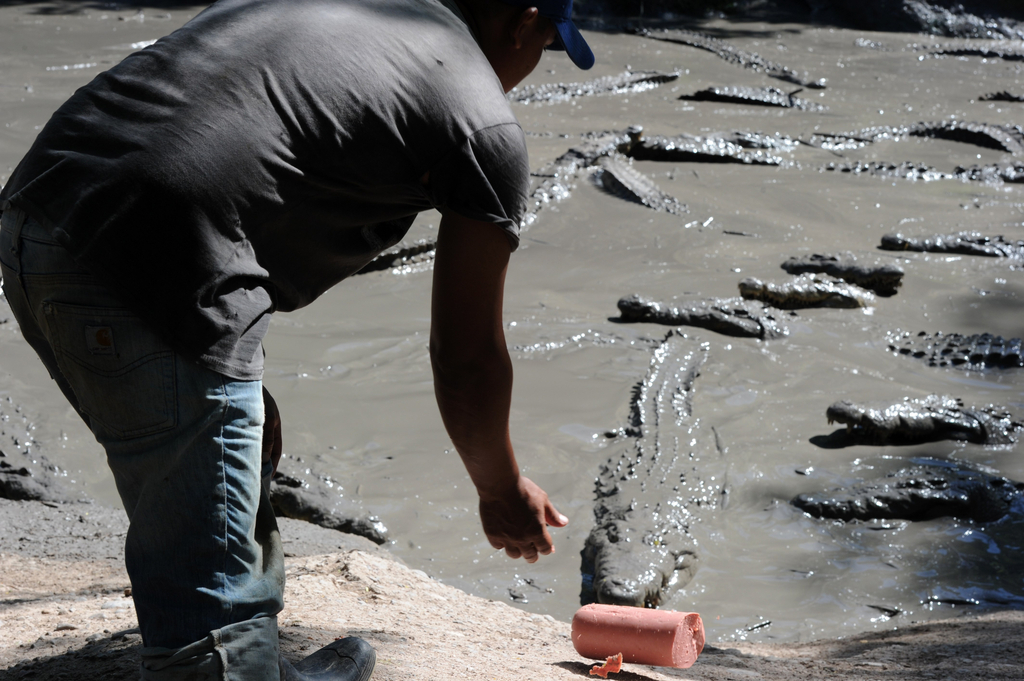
(99, 340)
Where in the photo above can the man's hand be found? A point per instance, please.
(517, 522)
(271, 430)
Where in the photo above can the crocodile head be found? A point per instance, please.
(635, 573)
(751, 287)
(634, 307)
(851, 415)
(894, 242)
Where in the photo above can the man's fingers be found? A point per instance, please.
(553, 517)
(520, 524)
(546, 545)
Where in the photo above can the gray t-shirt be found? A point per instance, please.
(267, 150)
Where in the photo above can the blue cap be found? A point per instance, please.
(559, 12)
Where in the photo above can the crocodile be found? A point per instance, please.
(734, 55)
(1001, 96)
(291, 497)
(946, 17)
(588, 338)
(869, 44)
(617, 176)
(640, 548)
(965, 243)
(974, 352)
(730, 316)
(995, 173)
(625, 83)
(402, 256)
(906, 170)
(807, 290)
(688, 148)
(927, 419)
(1007, 51)
(842, 141)
(556, 179)
(757, 96)
(1009, 138)
(759, 140)
(922, 492)
(882, 279)
(26, 474)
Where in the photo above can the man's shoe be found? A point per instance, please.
(348, 659)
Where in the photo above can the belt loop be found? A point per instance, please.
(14, 218)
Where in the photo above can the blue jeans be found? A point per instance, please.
(184, 444)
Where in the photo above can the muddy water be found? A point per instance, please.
(352, 375)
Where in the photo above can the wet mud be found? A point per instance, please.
(762, 184)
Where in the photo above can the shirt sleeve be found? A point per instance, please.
(486, 178)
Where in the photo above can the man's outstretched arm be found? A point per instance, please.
(473, 384)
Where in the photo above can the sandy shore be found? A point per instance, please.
(65, 615)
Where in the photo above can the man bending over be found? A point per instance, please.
(240, 166)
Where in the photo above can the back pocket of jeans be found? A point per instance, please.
(121, 372)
